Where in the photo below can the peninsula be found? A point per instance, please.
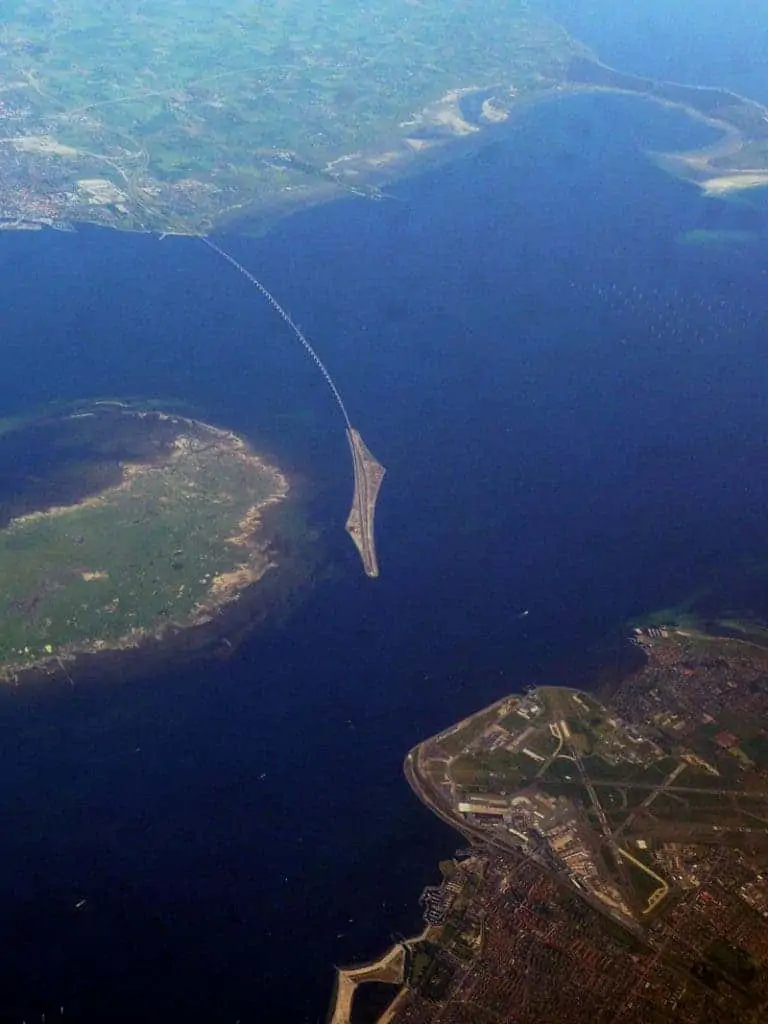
(736, 162)
(127, 529)
(614, 848)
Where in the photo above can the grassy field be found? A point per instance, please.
(173, 539)
(457, 741)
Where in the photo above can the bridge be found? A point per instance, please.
(368, 476)
(368, 472)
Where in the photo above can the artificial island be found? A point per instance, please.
(129, 534)
(615, 849)
(368, 473)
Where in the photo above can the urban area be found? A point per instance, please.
(617, 853)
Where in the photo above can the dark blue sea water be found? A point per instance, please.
(702, 42)
(570, 405)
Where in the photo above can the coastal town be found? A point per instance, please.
(119, 120)
(622, 840)
(132, 118)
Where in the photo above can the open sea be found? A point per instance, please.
(570, 403)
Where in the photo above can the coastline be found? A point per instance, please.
(432, 135)
(217, 639)
(217, 621)
(633, 894)
(720, 168)
(348, 979)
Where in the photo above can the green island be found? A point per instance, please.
(128, 532)
(616, 848)
(172, 116)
